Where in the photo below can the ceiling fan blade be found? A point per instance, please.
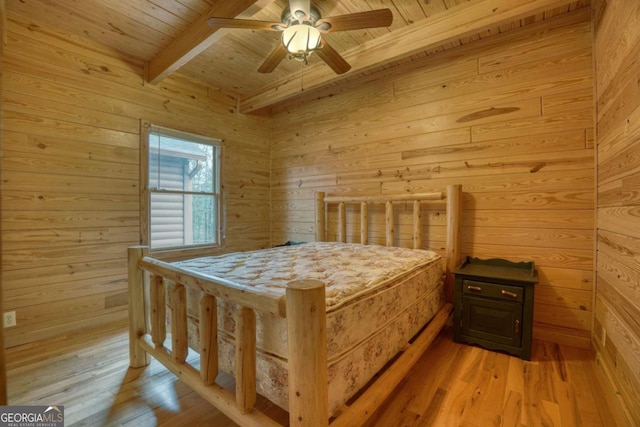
(274, 58)
(356, 21)
(333, 58)
(303, 5)
(245, 24)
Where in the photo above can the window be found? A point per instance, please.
(183, 189)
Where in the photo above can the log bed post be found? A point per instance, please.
(389, 223)
(307, 354)
(246, 359)
(208, 339)
(342, 222)
(320, 217)
(364, 223)
(454, 226)
(417, 225)
(158, 310)
(137, 319)
(179, 329)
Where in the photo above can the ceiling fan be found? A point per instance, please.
(302, 27)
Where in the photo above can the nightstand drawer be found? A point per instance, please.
(493, 290)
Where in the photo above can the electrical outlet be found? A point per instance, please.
(9, 319)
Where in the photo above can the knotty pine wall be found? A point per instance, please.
(70, 174)
(510, 118)
(617, 321)
(3, 372)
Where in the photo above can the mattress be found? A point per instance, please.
(377, 298)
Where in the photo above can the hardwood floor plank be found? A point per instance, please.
(552, 410)
(515, 378)
(447, 358)
(428, 417)
(451, 385)
(512, 410)
(495, 390)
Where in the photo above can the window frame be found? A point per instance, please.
(147, 131)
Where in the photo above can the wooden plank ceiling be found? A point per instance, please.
(172, 36)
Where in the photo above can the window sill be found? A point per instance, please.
(176, 254)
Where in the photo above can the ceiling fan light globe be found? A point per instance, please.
(301, 40)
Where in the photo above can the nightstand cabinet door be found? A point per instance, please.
(492, 320)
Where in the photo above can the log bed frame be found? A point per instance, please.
(304, 308)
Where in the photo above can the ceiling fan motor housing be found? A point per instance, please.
(290, 18)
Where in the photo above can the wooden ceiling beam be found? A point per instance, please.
(198, 37)
(460, 21)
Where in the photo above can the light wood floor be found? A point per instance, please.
(452, 385)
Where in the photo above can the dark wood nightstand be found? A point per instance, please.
(493, 304)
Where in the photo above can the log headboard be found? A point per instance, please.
(452, 197)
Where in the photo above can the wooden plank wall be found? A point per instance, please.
(3, 372)
(510, 118)
(70, 190)
(617, 322)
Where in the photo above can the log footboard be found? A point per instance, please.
(305, 311)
